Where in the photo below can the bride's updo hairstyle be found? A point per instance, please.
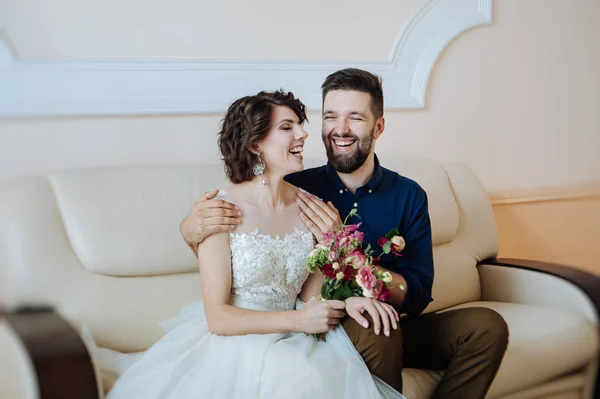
(246, 123)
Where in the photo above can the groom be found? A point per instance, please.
(468, 343)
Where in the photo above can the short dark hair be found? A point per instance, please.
(357, 80)
(247, 122)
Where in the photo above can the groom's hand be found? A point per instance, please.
(318, 216)
(382, 313)
(206, 217)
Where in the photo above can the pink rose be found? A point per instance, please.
(332, 256)
(377, 287)
(366, 280)
(357, 258)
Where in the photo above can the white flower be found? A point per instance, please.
(398, 243)
(387, 277)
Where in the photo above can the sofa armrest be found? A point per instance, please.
(17, 376)
(546, 284)
(61, 361)
(541, 283)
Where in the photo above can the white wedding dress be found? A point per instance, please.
(191, 362)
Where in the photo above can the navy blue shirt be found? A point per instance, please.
(387, 201)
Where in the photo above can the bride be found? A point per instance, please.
(250, 335)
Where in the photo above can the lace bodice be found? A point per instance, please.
(268, 271)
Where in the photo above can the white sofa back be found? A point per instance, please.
(103, 245)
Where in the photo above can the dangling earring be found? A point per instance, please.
(259, 169)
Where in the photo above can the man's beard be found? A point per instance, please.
(348, 163)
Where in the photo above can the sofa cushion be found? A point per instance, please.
(125, 221)
(431, 176)
(418, 383)
(544, 343)
(456, 277)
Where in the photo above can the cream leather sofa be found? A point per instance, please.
(102, 248)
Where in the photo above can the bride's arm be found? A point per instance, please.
(214, 258)
(312, 286)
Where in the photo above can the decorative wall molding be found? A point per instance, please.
(546, 194)
(38, 88)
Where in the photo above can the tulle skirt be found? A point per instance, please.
(191, 362)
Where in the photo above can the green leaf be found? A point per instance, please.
(387, 247)
(325, 290)
(343, 293)
(366, 251)
(393, 232)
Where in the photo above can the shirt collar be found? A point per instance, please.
(372, 184)
(377, 177)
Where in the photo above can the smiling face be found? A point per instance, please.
(349, 128)
(281, 149)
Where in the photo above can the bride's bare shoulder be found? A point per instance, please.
(295, 190)
(233, 193)
(291, 192)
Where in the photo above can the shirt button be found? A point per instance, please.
(355, 205)
(341, 191)
(370, 191)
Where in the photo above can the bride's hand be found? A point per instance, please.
(381, 313)
(318, 316)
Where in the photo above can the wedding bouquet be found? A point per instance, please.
(348, 269)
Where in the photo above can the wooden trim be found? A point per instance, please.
(546, 194)
(60, 358)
